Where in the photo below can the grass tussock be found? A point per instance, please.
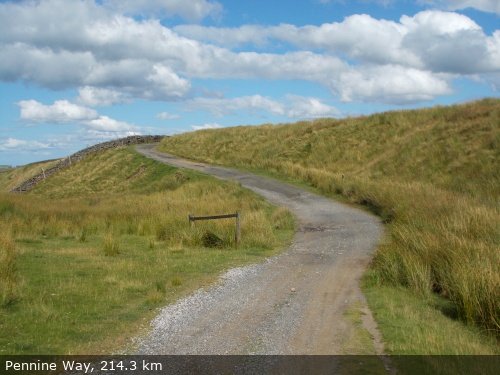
(8, 275)
(119, 234)
(432, 175)
(111, 245)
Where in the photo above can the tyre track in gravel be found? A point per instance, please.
(293, 303)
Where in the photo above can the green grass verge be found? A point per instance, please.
(74, 299)
(360, 340)
(413, 324)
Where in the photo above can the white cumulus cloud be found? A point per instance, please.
(62, 111)
(226, 106)
(65, 112)
(95, 96)
(390, 84)
(450, 42)
(206, 126)
(431, 40)
(90, 46)
(107, 124)
(14, 144)
(166, 83)
(115, 57)
(92, 136)
(309, 108)
(293, 106)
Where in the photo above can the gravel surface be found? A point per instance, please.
(293, 303)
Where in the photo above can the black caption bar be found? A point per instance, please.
(184, 364)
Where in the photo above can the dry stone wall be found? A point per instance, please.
(77, 156)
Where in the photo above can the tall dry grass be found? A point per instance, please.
(162, 216)
(119, 192)
(432, 175)
(8, 276)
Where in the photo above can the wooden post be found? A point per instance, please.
(43, 172)
(238, 233)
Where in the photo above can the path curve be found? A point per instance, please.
(293, 303)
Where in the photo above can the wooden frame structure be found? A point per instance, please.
(236, 215)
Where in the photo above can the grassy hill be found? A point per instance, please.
(433, 175)
(454, 148)
(12, 177)
(88, 254)
(112, 172)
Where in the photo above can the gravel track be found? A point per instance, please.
(293, 303)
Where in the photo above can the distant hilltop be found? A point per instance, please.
(67, 161)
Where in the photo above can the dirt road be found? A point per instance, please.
(294, 303)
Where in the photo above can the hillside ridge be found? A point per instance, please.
(79, 155)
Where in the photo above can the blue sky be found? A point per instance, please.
(77, 72)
